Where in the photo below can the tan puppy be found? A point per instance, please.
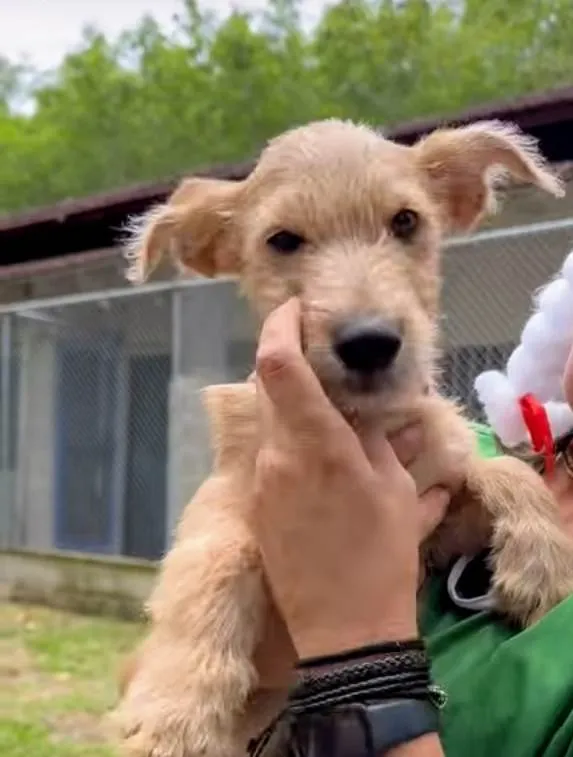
(352, 223)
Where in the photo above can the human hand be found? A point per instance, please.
(339, 524)
(275, 655)
(407, 444)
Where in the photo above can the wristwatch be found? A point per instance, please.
(360, 703)
(370, 730)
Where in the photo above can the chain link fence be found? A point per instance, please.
(102, 433)
(489, 281)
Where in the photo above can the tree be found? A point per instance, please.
(152, 105)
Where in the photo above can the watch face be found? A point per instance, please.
(351, 731)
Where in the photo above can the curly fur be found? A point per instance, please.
(200, 684)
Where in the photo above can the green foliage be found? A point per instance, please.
(151, 105)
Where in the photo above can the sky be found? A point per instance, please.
(44, 30)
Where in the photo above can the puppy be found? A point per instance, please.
(352, 224)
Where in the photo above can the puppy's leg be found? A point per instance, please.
(532, 557)
(194, 673)
(194, 688)
(502, 502)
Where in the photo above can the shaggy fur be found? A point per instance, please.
(194, 688)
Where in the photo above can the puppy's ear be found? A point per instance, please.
(465, 166)
(192, 227)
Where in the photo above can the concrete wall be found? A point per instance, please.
(101, 269)
(212, 320)
(79, 583)
(34, 476)
(8, 510)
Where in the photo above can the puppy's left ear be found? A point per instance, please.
(464, 167)
(192, 227)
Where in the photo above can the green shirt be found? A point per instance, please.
(510, 693)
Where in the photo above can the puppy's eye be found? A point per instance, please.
(405, 224)
(285, 242)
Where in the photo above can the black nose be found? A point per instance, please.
(367, 345)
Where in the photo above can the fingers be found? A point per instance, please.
(408, 443)
(378, 451)
(286, 376)
(270, 429)
(433, 506)
(404, 447)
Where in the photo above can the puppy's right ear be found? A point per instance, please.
(192, 227)
(464, 167)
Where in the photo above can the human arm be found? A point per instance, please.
(425, 746)
(342, 576)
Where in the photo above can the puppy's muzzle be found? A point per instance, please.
(366, 346)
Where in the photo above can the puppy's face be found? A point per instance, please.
(352, 224)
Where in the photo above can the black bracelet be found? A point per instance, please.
(403, 674)
(334, 686)
(389, 647)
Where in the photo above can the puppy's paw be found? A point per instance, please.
(532, 557)
(528, 583)
(174, 729)
(173, 708)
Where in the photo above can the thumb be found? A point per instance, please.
(405, 445)
(286, 376)
(378, 450)
(433, 506)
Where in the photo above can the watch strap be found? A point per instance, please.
(369, 730)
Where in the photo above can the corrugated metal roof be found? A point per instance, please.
(87, 206)
(75, 225)
(539, 109)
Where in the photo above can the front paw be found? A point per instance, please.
(532, 556)
(168, 728)
(173, 708)
(527, 584)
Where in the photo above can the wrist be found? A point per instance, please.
(340, 637)
(367, 702)
(425, 746)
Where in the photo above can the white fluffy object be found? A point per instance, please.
(535, 367)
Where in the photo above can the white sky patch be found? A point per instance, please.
(42, 31)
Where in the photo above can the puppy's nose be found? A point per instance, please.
(367, 345)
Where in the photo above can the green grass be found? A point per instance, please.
(57, 681)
